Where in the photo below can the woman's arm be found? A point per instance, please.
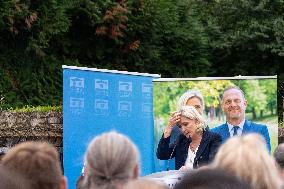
(164, 149)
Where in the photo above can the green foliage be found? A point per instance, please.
(26, 81)
(166, 94)
(260, 95)
(248, 36)
(30, 25)
(145, 36)
(37, 109)
(179, 38)
(30, 74)
(262, 99)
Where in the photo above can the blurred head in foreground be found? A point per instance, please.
(38, 163)
(211, 178)
(111, 160)
(247, 158)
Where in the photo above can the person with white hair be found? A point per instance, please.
(111, 160)
(195, 147)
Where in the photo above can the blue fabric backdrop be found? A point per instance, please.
(95, 102)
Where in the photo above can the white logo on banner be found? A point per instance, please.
(124, 108)
(76, 105)
(146, 109)
(101, 87)
(125, 89)
(77, 84)
(101, 107)
(146, 90)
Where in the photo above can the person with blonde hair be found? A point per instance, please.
(196, 146)
(189, 98)
(145, 184)
(38, 163)
(111, 160)
(192, 98)
(247, 158)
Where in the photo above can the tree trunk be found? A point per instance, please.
(253, 114)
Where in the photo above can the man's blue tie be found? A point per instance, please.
(235, 130)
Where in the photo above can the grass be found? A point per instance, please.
(28, 108)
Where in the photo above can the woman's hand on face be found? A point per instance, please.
(174, 119)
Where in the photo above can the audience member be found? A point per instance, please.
(207, 178)
(10, 180)
(36, 162)
(144, 184)
(111, 160)
(247, 158)
(279, 158)
(79, 182)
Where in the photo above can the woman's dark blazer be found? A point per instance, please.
(207, 149)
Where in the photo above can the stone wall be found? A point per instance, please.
(36, 126)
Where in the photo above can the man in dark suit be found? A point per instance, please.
(234, 105)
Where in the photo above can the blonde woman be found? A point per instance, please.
(111, 160)
(145, 184)
(189, 98)
(247, 158)
(196, 146)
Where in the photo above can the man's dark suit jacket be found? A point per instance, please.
(249, 127)
(207, 149)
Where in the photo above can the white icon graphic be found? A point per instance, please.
(77, 84)
(147, 90)
(76, 102)
(146, 110)
(125, 89)
(146, 107)
(124, 108)
(101, 107)
(76, 105)
(101, 87)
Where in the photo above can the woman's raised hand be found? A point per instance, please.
(174, 119)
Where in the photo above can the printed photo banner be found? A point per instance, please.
(260, 93)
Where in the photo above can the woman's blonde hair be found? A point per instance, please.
(143, 183)
(110, 159)
(188, 95)
(247, 158)
(191, 113)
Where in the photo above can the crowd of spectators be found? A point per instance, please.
(112, 162)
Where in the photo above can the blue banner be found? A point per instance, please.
(97, 101)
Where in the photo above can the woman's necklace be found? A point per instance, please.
(192, 148)
(194, 144)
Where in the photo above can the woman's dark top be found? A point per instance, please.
(207, 149)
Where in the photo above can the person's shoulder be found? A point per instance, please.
(213, 135)
(216, 135)
(254, 124)
(218, 128)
